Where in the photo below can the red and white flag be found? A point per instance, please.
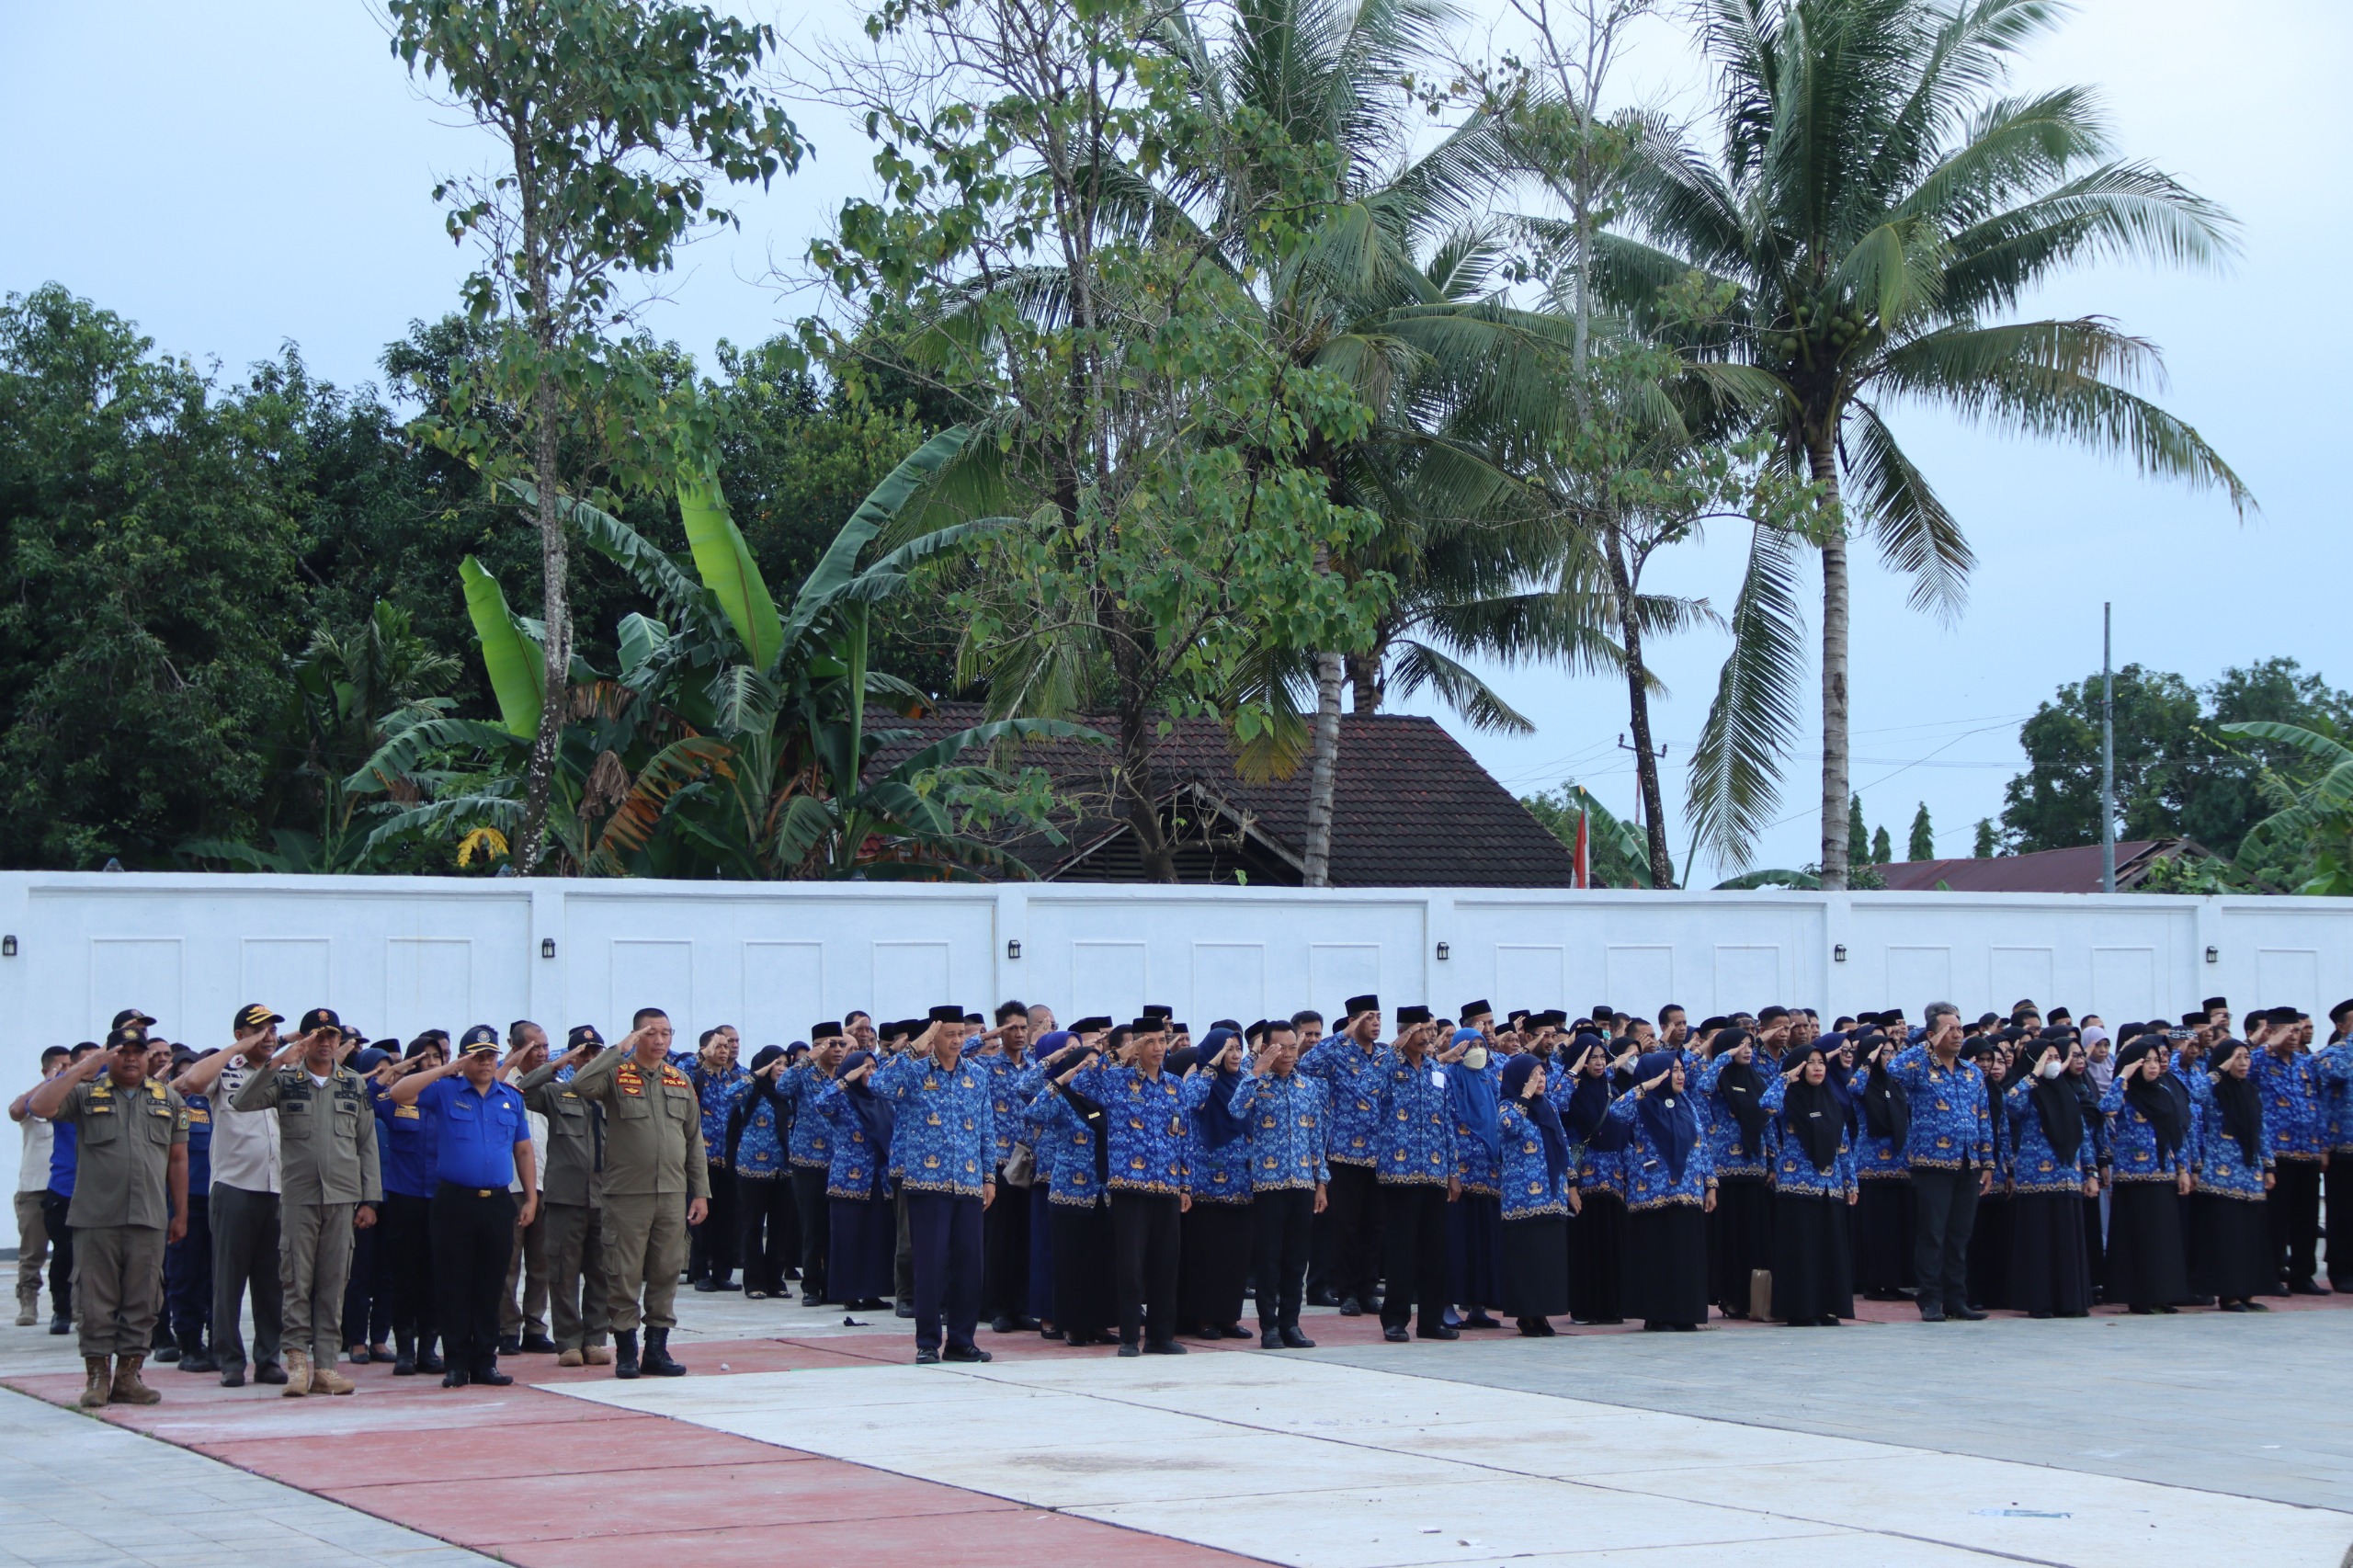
(1585, 844)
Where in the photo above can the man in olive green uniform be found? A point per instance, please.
(571, 1203)
(328, 1187)
(130, 1200)
(657, 1182)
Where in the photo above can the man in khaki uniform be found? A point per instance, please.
(130, 1200)
(657, 1182)
(328, 1187)
(573, 1199)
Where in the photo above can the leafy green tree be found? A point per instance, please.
(1619, 852)
(1882, 847)
(1923, 846)
(1879, 207)
(1983, 847)
(1859, 838)
(2305, 845)
(615, 116)
(150, 577)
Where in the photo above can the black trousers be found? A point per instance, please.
(368, 1295)
(53, 1210)
(2292, 1207)
(711, 1246)
(1005, 1253)
(1412, 1235)
(1280, 1224)
(1948, 1212)
(1145, 1247)
(1353, 1204)
(764, 1230)
(407, 1223)
(2340, 1218)
(946, 1231)
(809, 1197)
(245, 1264)
(473, 1236)
(187, 1277)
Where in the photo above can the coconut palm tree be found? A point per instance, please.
(1880, 207)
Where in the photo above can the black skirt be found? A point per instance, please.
(2048, 1271)
(2233, 1237)
(1884, 1223)
(1217, 1264)
(1535, 1266)
(1473, 1245)
(1082, 1270)
(2144, 1261)
(2095, 1248)
(1739, 1239)
(1666, 1264)
(1598, 1279)
(862, 1249)
(1989, 1251)
(1813, 1260)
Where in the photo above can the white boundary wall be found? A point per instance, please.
(397, 955)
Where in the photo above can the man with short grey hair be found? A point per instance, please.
(242, 1201)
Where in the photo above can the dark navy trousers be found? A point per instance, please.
(945, 1231)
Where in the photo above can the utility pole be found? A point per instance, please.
(2107, 750)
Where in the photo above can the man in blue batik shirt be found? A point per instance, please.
(943, 1143)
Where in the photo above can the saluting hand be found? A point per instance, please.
(1656, 1081)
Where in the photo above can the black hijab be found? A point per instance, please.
(2054, 1102)
(1514, 1091)
(1887, 1104)
(1742, 1087)
(2164, 1104)
(1215, 1121)
(1812, 1111)
(2240, 1102)
(874, 1114)
(1589, 1099)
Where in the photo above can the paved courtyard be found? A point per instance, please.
(801, 1439)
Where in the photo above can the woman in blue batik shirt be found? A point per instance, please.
(861, 1226)
(1730, 1092)
(1813, 1187)
(1537, 1179)
(2230, 1172)
(1989, 1239)
(1074, 1159)
(1474, 1222)
(1216, 1265)
(1886, 1215)
(2148, 1114)
(1670, 1187)
(2054, 1168)
(759, 1125)
(1597, 1234)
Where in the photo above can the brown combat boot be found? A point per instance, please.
(598, 1355)
(128, 1389)
(94, 1392)
(298, 1374)
(324, 1379)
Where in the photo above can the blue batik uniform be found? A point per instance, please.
(1004, 1077)
(2291, 1117)
(1950, 1128)
(1601, 1170)
(810, 1144)
(2220, 1164)
(1146, 1127)
(760, 1132)
(1478, 1167)
(1722, 1129)
(1415, 1143)
(1352, 1076)
(1289, 1128)
(1065, 1147)
(945, 1139)
(1219, 1175)
(2332, 1076)
(716, 1094)
(2037, 1166)
(200, 1144)
(1530, 1190)
(2133, 1152)
(1650, 1183)
(856, 1167)
(1793, 1169)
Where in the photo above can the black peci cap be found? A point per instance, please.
(825, 1031)
(1367, 1003)
(1470, 1010)
(1416, 1014)
(319, 1018)
(947, 1013)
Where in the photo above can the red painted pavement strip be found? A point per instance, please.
(492, 1453)
(1016, 1538)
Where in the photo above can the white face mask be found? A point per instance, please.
(2052, 1066)
(1476, 1059)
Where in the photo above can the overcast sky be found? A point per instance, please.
(234, 178)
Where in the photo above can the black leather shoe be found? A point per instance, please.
(490, 1375)
(164, 1355)
(1271, 1339)
(454, 1378)
(270, 1372)
(1164, 1347)
(232, 1376)
(2295, 1287)
(1351, 1308)
(1929, 1313)
(1442, 1331)
(963, 1353)
(1001, 1325)
(1126, 1349)
(904, 1309)
(1480, 1320)
(538, 1345)
(429, 1359)
(625, 1353)
(704, 1286)
(927, 1358)
(61, 1323)
(1396, 1335)
(725, 1285)
(405, 1364)
(656, 1362)
(1964, 1314)
(1323, 1295)
(510, 1344)
(1294, 1340)
(1023, 1323)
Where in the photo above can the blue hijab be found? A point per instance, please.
(1516, 1072)
(1473, 1096)
(1668, 1118)
(874, 1114)
(1215, 1121)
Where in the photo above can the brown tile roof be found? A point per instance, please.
(1411, 809)
(2074, 869)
